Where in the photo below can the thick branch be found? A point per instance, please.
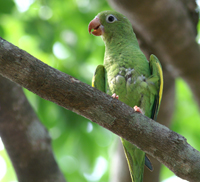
(25, 138)
(157, 140)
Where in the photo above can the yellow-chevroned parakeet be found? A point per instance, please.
(127, 74)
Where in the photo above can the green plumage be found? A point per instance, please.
(127, 73)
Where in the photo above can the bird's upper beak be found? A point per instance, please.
(96, 26)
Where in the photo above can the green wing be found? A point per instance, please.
(157, 76)
(98, 80)
(156, 72)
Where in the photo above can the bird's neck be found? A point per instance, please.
(119, 47)
(116, 40)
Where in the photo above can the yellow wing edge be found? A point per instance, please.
(156, 70)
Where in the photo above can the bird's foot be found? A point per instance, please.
(115, 96)
(137, 109)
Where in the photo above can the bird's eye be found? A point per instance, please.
(111, 18)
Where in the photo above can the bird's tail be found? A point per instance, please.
(136, 160)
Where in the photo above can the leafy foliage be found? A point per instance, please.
(56, 33)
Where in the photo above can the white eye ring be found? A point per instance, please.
(111, 18)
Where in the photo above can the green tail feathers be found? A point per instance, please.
(136, 160)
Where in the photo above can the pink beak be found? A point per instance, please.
(96, 26)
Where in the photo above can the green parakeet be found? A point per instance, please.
(127, 74)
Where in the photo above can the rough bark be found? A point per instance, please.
(155, 139)
(25, 138)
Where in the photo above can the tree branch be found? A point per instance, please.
(157, 140)
(26, 140)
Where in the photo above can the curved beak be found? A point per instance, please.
(96, 26)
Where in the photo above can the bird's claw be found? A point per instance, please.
(115, 96)
(137, 109)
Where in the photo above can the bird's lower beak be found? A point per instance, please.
(96, 26)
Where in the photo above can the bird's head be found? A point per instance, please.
(110, 24)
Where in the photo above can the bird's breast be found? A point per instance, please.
(123, 80)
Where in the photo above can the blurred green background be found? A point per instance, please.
(56, 32)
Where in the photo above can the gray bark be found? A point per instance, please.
(155, 139)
